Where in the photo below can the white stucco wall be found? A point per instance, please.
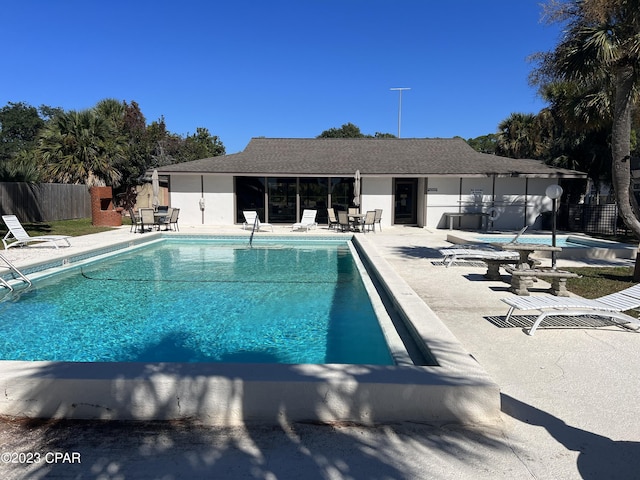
(441, 197)
(376, 193)
(443, 194)
(516, 199)
(510, 203)
(218, 198)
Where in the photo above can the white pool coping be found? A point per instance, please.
(457, 390)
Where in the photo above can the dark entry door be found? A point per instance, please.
(406, 201)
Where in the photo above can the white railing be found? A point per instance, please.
(14, 269)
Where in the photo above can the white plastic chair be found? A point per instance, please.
(19, 237)
(251, 219)
(307, 221)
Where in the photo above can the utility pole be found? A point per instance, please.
(400, 89)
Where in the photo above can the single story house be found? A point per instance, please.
(414, 181)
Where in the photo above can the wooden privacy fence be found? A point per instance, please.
(44, 202)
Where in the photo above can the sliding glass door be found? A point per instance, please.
(313, 195)
(250, 193)
(282, 200)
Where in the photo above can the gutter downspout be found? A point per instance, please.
(202, 197)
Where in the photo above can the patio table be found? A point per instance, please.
(525, 271)
(159, 218)
(525, 250)
(356, 220)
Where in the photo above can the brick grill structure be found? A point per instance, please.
(103, 213)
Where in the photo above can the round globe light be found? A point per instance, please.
(554, 191)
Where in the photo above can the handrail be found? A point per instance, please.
(14, 269)
(256, 223)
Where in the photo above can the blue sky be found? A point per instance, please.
(281, 68)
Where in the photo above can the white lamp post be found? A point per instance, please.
(554, 192)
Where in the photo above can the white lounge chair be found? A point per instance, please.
(515, 239)
(307, 221)
(251, 219)
(19, 237)
(452, 254)
(609, 306)
(479, 251)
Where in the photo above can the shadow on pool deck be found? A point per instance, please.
(189, 450)
(186, 449)
(598, 456)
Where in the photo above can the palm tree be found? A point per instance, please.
(81, 147)
(518, 136)
(23, 167)
(600, 53)
(112, 110)
(579, 129)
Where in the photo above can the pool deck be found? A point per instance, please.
(569, 401)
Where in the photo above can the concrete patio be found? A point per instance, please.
(569, 402)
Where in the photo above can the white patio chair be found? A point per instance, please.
(378, 219)
(147, 219)
(343, 221)
(135, 221)
(333, 220)
(369, 221)
(173, 219)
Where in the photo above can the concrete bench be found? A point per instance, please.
(494, 264)
(484, 218)
(522, 279)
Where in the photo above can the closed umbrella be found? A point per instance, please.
(155, 186)
(356, 189)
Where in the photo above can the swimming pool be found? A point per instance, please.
(564, 241)
(188, 300)
(453, 388)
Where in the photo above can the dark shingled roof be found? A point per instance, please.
(384, 157)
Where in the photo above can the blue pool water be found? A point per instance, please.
(197, 301)
(561, 240)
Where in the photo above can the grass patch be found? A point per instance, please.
(595, 282)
